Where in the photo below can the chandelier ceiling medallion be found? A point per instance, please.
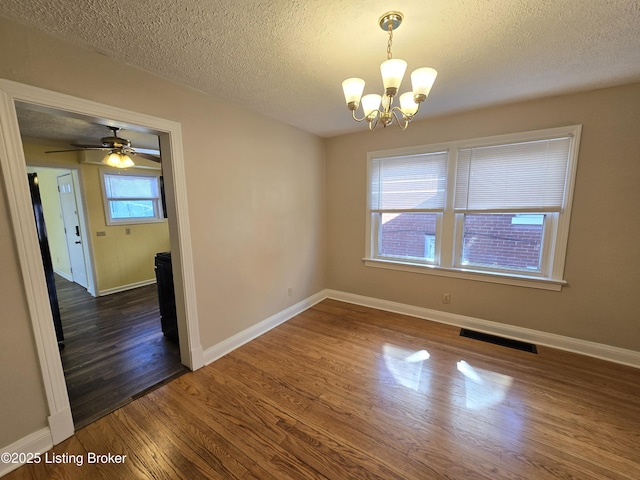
(378, 108)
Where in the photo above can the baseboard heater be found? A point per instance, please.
(505, 342)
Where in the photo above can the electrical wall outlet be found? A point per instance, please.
(290, 291)
(446, 298)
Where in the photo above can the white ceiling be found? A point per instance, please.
(287, 58)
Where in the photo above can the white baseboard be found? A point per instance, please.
(197, 359)
(592, 349)
(123, 288)
(36, 442)
(584, 347)
(213, 353)
(61, 425)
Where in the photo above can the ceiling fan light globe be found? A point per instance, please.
(113, 160)
(118, 160)
(126, 162)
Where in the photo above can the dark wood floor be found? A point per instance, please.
(114, 348)
(348, 392)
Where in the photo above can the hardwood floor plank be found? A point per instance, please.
(324, 416)
(58, 471)
(337, 420)
(290, 429)
(193, 458)
(348, 392)
(117, 434)
(260, 442)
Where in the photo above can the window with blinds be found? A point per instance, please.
(406, 195)
(527, 176)
(131, 198)
(498, 206)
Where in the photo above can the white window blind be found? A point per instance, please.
(130, 186)
(408, 183)
(527, 176)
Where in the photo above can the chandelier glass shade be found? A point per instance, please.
(379, 108)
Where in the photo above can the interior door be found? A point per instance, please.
(72, 229)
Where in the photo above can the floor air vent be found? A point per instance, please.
(505, 342)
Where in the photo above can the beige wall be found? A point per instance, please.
(256, 206)
(600, 303)
(23, 406)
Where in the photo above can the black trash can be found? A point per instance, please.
(166, 296)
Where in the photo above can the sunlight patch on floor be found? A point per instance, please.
(484, 388)
(406, 366)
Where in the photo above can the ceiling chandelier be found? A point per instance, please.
(378, 108)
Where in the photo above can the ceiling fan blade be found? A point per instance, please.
(153, 158)
(61, 151)
(90, 147)
(150, 151)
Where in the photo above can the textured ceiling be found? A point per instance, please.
(52, 127)
(287, 59)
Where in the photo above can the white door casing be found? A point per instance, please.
(13, 167)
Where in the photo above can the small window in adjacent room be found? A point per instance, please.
(131, 197)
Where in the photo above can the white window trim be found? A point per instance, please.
(159, 213)
(447, 235)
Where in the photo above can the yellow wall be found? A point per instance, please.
(600, 302)
(48, 185)
(119, 259)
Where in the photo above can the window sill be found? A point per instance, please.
(490, 277)
(135, 221)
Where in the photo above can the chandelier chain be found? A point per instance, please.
(390, 27)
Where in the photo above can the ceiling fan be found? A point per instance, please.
(119, 150)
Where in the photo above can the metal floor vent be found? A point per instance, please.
(505, 342)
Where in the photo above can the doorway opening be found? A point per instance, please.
(112, 347)
(112, 344)
(13, 166)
